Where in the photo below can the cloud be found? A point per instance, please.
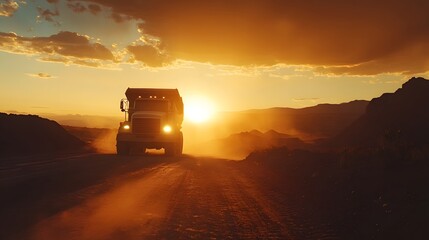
(369, 34)
(40, 75)
(411, 59)
(8, 7)
(66, 47)
(284, 77)
(77, 7)
(374, 81)
(48, 15)
(148, 55)
(119, 18)
(94, 8)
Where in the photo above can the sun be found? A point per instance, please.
(198, 109)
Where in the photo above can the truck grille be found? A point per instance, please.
(146, 126)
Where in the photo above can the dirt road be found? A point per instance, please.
(141, 197)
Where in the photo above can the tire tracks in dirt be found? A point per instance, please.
(187, 198)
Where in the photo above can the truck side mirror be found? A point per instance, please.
(123, 105)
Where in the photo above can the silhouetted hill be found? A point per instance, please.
(377, 188)
(30, 134)
(321, 121)
(88, 135)
(307, 124)
(102, 140)
(88, 121)
(401, 117)
(239, 145)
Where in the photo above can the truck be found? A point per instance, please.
(153, 120)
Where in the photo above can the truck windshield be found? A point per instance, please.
(151, 105)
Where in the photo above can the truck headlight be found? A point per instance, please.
(126, 127)
(167, 129)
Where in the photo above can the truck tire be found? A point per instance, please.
(170, 149)
(175, 148)
(179, 145)
(122, 148)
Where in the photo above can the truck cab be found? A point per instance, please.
(153, 120)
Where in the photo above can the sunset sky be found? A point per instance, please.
(78, 57)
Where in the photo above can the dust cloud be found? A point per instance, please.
(232, 136)
(87, 121)
(113, 215)
(102, 140)
(199, 139)
(105, 142)
(226, 135)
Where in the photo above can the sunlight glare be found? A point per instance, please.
(198, 109)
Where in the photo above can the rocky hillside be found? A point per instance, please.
(30, 134)
(239, 145)
(320, 121)
(401, 117)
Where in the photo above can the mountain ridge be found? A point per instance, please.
(403, 115)
(31, 134)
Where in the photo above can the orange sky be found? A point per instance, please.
(78, 57)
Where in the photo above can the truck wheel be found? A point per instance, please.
(170, 149)
(122, 148)
(179, 144)
(175, 148)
